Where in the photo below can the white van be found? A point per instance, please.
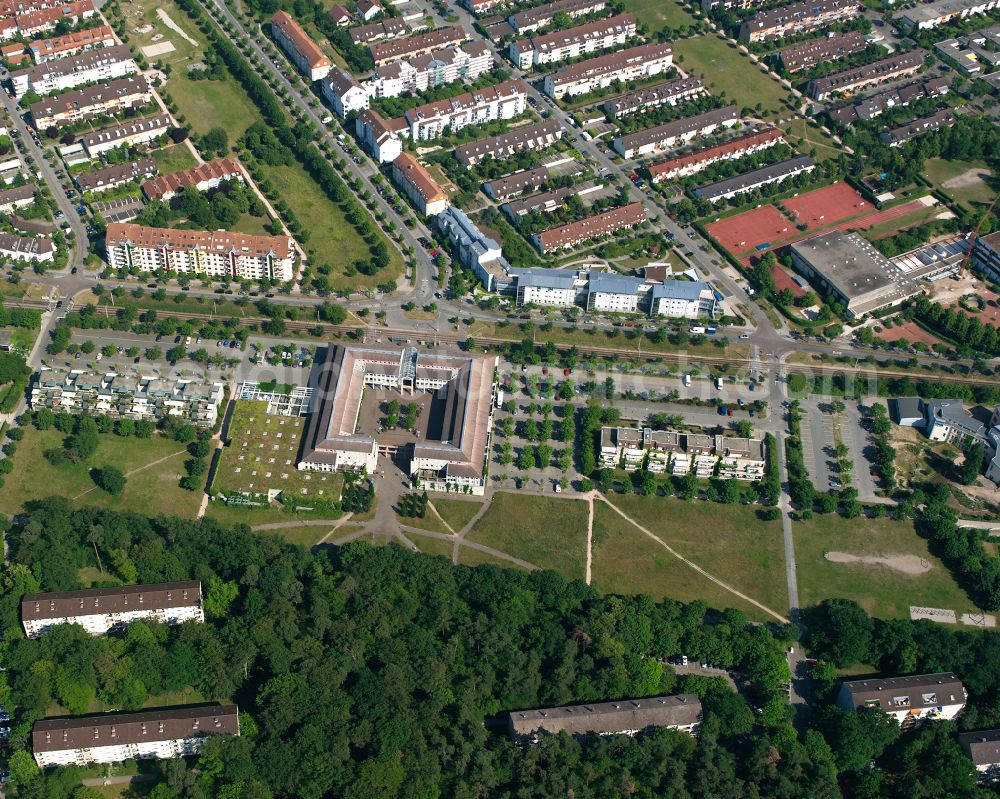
(687, 380)
(718, 383)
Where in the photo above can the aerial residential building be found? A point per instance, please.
(72, 43)
(378, 137)
(340, 16)
(213, 254)
(682, 453)
(907, 699)
(480, 6)
(542, 16)
(344, 93)
(502, 101)
(369, 9)
(18, 197)
(129, 134)
(797, 18)
(918, 127)
(204, 177)
(32, 23)
(974, 52)
(466, 384)
(819, 51)
(710, 5)
(635, 63)
(81, 104)
(874, 105)
(694, 162)
(529, 137)
(547, 201)
(613, 293)
(416, 182)
(439, 68)
(623, 717)
(99, 610)
(104, 64)
(384, 29)
(398, 49)
(740, 458)
(925, 16)
(670, 134)
(549, 288)
(516, 184)
(950, 421)
(304, 52)
(602, 34)
(856, 78)
(110, 177)
(685, 299)
(127, 396)
(755, 178)
(20, 248)
(116, 737)
(671, 93)
(475, 250)
(603, 224)
(983, 748)
(986, 254)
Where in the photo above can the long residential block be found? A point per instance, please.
(755, 178)
(692, 163)
(18, 197)
(542, 16)
(909, 699)
(110, 177)
(72, 43)
(670, 134)
(475, 250)
(602, 34)
(874, 105)
(925, 16)
(115, 737)
(397, 49)
(917, 127)
(377, 31)
(662, 451)
(137, 131)
(204, 177)
(531, 137)
(414, 179)
(797, 18)
(818, 51)
(672, 92)
(516, 184)
(38, 21)
(81, 104)
(856, 78)
(464, 62)
(104, 64)
(304, 52)
(99, 610)
(565, 236)
(22, 248)
(214, 254)
(503, 101)
(635, 63)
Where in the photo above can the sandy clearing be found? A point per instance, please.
(907, 564)
(161, 48)
(166, 20)
(970, 177)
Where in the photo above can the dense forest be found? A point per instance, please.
(374, 672)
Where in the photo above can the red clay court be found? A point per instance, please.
(911, 331)
(783, 280)
(827, 206)
(745, 231)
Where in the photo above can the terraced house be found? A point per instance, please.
(530, 137)
(304, 52)
(204, 177)
(439, 68)
(72, 43)
(409, 47)
(502, 101)
(635, 63)
(104, 64)
(797, 18)
(602, 34)
(603, 224)
(89, 102)
(532, 19)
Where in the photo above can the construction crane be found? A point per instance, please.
(974, 236)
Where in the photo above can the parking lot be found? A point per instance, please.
(819, 446)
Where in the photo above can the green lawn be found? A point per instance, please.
(967, 179)
(456, 512)
(429, 522)
(473, 557)
(548, 532)
(728, 541)
(725, 69)
(173, 159)
(797, 128)
(881, 590)
(657, 13)
(432, 546)
(913, 219)
(154, 490)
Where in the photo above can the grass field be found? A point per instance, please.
(432, 546)
(912, 219)
(728, 541)
(154, 489)
(965, 179)
(173, 159)
(797, 128)
(657, 13)
(429, 522)
(456, 512)
(882, 591)
(473, 557)
(550, 533)
(727, 70)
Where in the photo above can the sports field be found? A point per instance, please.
(969, 182)
(827, 205)
(750, 229)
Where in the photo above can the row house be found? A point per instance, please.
(115, 175)
(129, 134)
(516, 184)
(502, 101)
(691, 163)
(818, 51)
(18, 197)
(635, 63)
(663, 451)
(465, 62)
(204, 177)
(931, 15)
(740, 458)
(301, 49)
(670, 93)
(755, 178)
(377, 31)
(480, 6)
(602, 34)
(345, 94)
(527, 138)
(416, 182)
(411, 46)
(94, 66)
(875, 105)
(100, 610)
(72, 43)
(908, 700)
(603, 224)
(89, 102)
(378, 137)
(671, 134)
(918, 127)
(856, 78)
(116, 737)
(22, 248)
(213, 254)
(533, 19)
(797, 18)
(547, 201)
(32, 23)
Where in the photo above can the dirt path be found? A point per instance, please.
(496, 553)
(166, 20)
(450, 528)
(590, 536)
(907, 564)
(694, 566)
(460, 535)
(139, 469)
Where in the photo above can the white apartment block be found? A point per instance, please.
(682, 299)
(80, 104)
(104, 64)
(663, 451)
(614, 293)
(440, 68)
(304, 52)
(909, 700)
(925, 16)
(377, 137)
(635, 63)
(126, 396)
(116, 737)
(502, 101)
(100, 610)
(214, 254)
(139, 131)
(23, 248)
(592, 37)
(72, 43)
(344, 93)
